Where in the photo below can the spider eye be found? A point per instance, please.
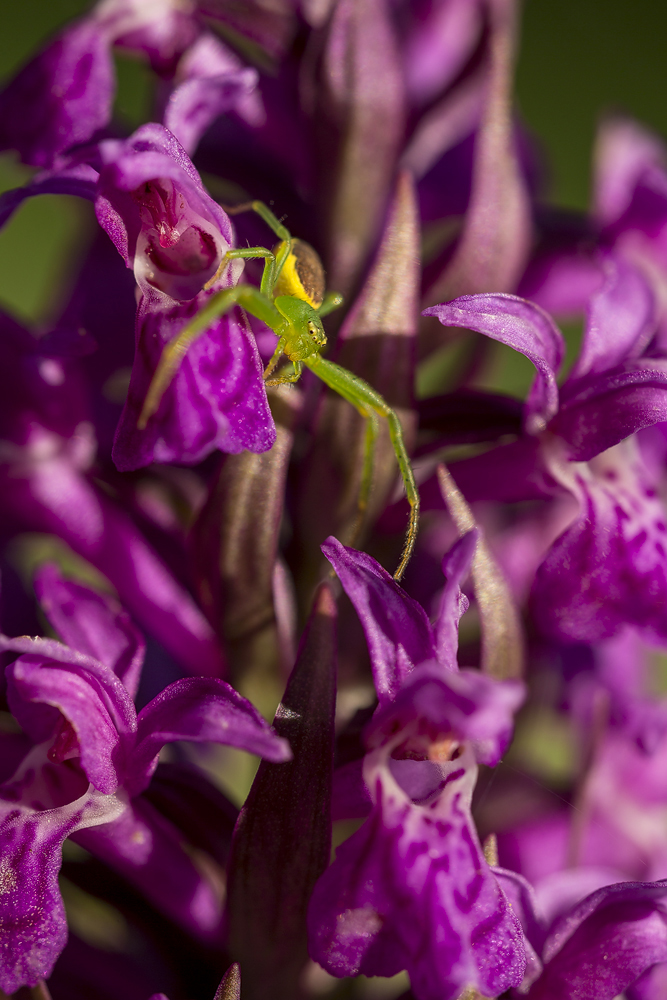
(317, 333)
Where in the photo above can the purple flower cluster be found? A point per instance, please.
(148, 559)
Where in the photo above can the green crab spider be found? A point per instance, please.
(291, 300)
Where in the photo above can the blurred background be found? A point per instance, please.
(578, 59)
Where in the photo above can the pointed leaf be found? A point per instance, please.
(236, 542)
(502, 640)
(362, 114)
(282, 840)
(495, 242)
(230, 984)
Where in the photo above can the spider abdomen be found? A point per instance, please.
(302, 275)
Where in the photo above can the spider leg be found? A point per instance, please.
(285, 379)
(247, 254)
(246, 296)
(369, 402)
(366, 483)
(275, 357)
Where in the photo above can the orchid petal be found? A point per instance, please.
(61, 98)
(398, 633)
(620, 320)
(33, 927)
(609, 568)
(195, 104)
(411, 890)
(523, 326)
(201, 709)
(604, 409)
(156, 211)
(148, 850)
(79, 181)
(605, 943)
(217, 398)
(92, 623)
(438, 46)
(624, 153)
(467, 704)
(51, 495)
(94, 702)
(453, 604)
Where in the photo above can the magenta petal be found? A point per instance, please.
(603, 410)
(217, 398)
(411, 890)
(155, 209)
(61, 98)
(561, 281)
(201, 709)
(53, 496)
(453, 604)
(94, 702)
(605, 943)
(466, 704)
(79, 181)
(522, 326)
(196, 103)
(609, 568)
(148, 850)
(521, 896)
(625, 153)
(33, 928)
(652, 985)
(160, 31)
(620, 320)
(92, 623)
(438, 45)
(398, 633)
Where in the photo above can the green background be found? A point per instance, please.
(578, 59)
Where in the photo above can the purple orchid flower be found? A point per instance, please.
(150, 200)
(628, 216)
(47, 450)
(630, 201)
(411, 889)
(167, 228)
(608, 568)
(617, 831)
(64, 95)
(90, 758)
(210, 80)
(596, 947)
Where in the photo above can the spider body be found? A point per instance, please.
(302, 275)
(291, 300)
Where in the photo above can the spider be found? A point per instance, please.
(291, 300)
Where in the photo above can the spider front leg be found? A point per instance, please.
(371, 405)
(247, 296)
(275, 358)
